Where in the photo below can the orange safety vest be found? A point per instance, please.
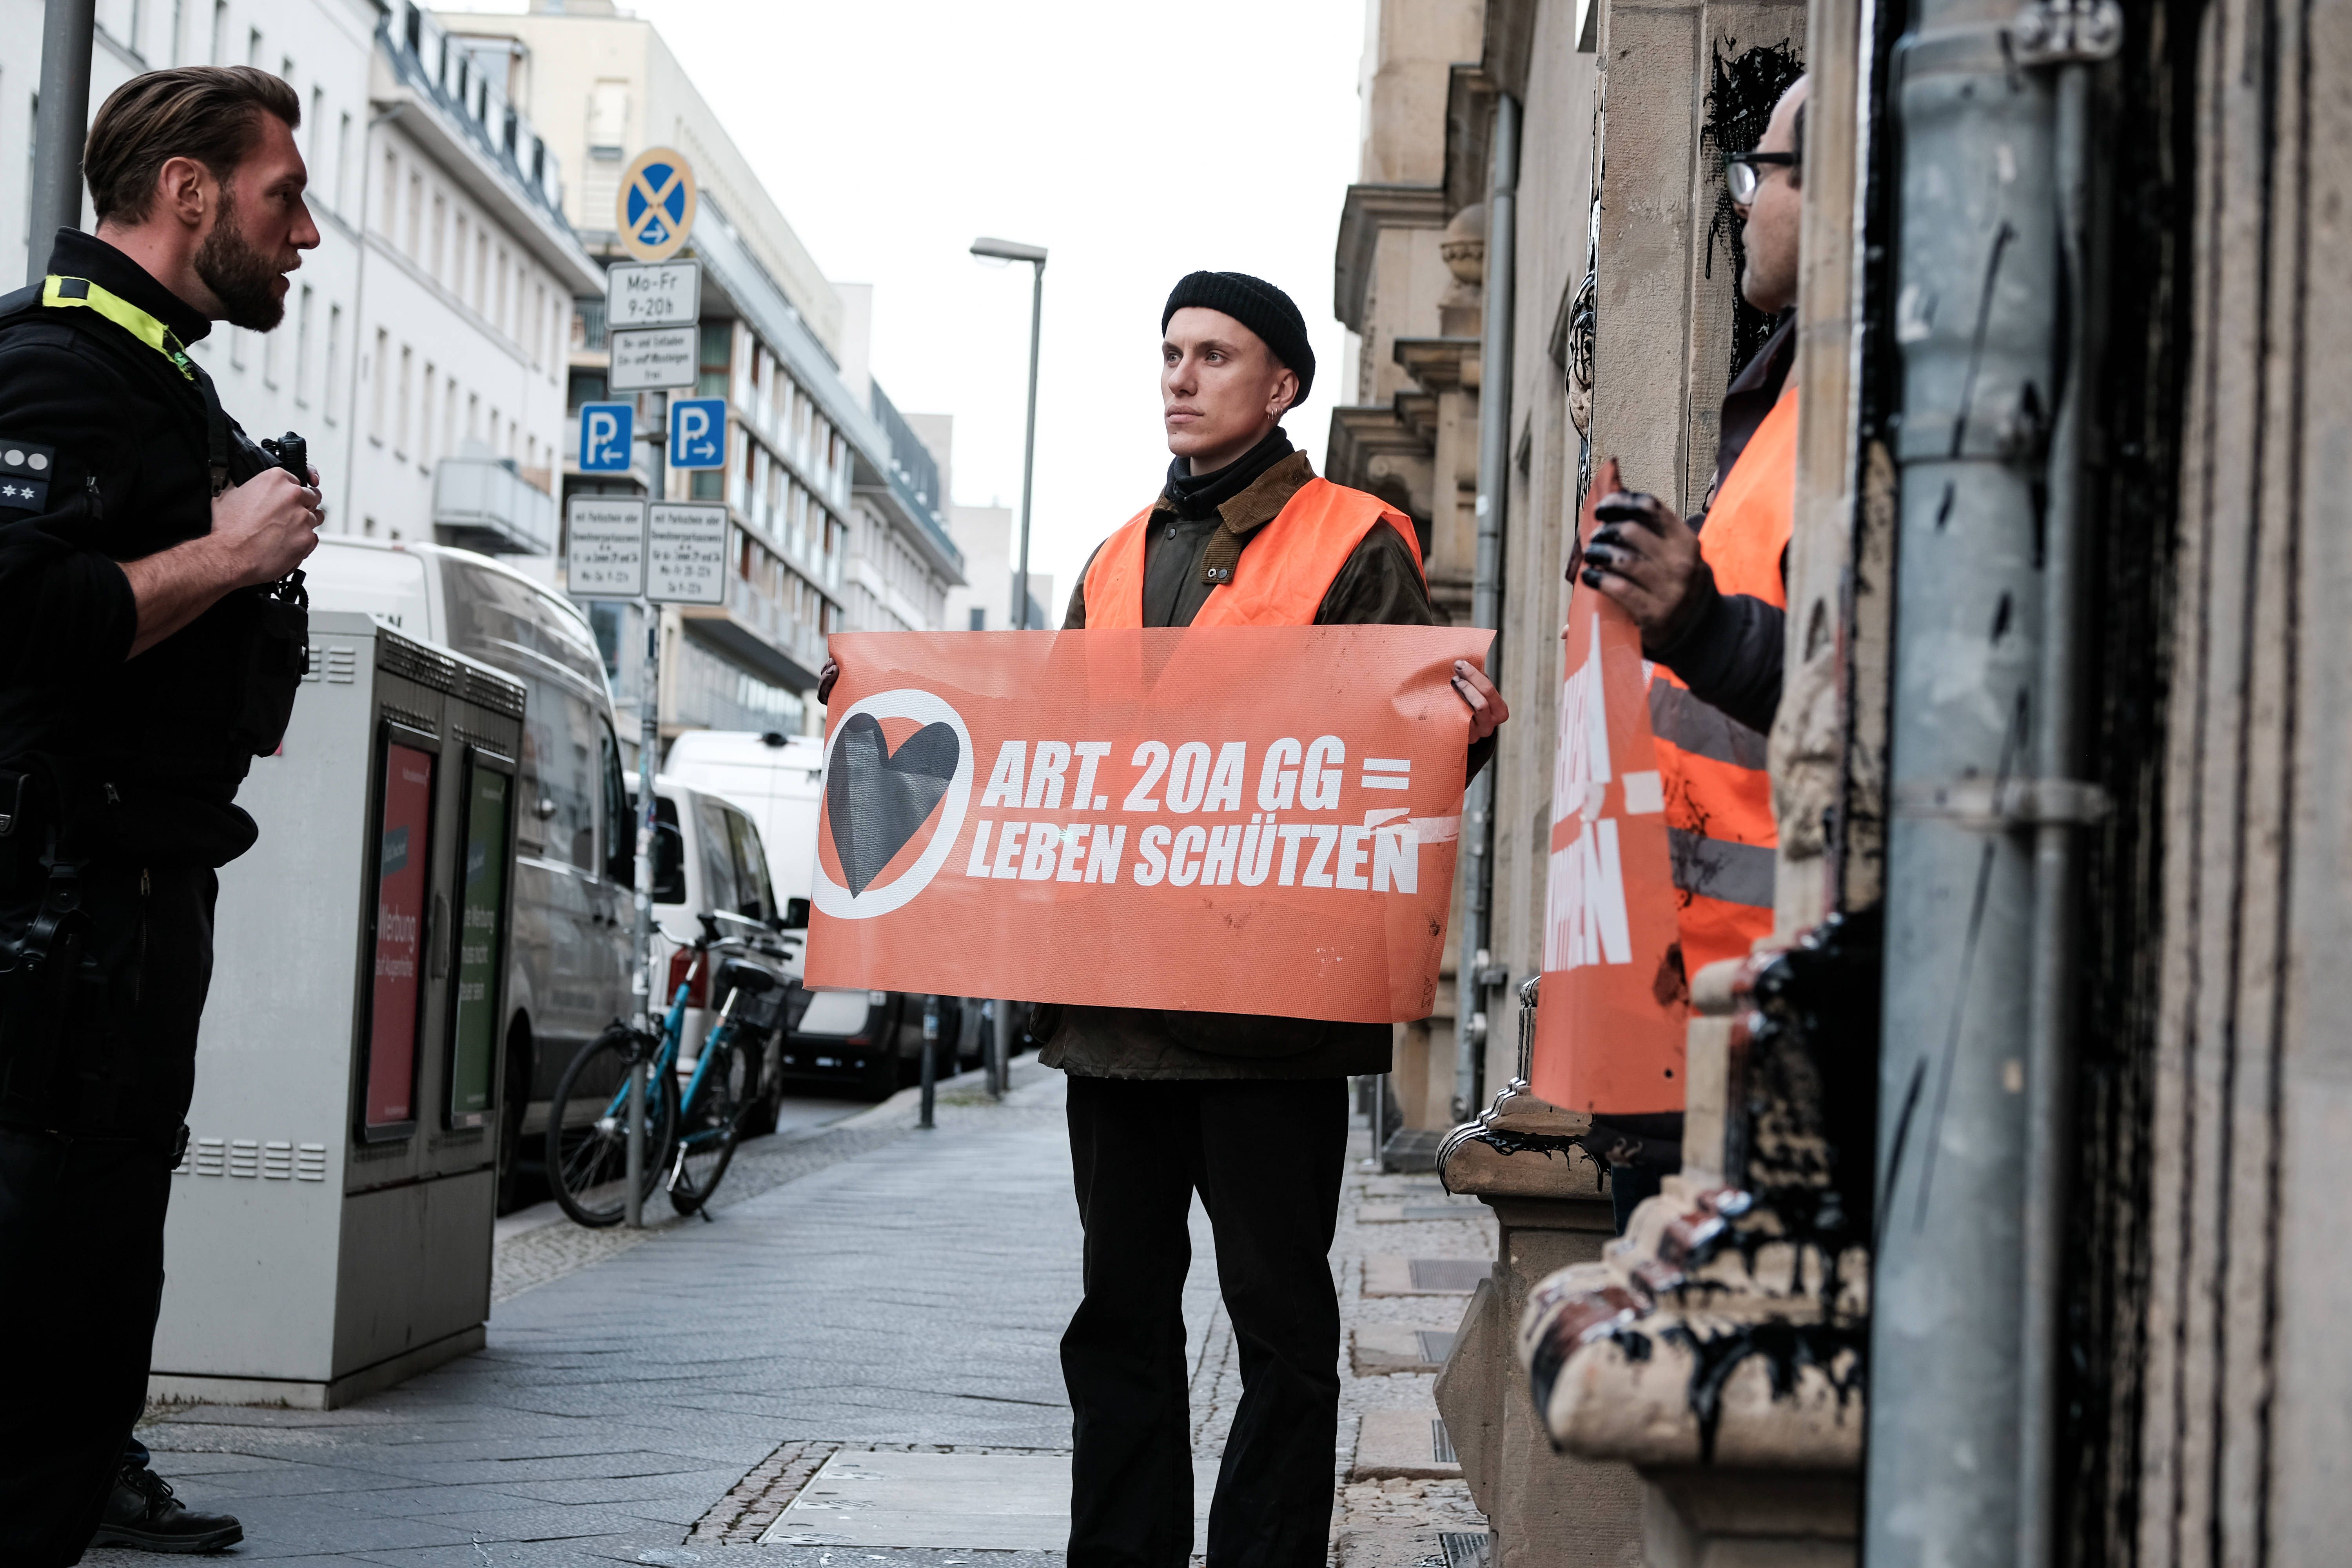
(1719, 826)
(1284, 573)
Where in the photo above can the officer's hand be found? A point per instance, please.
(1488, 709)
(266, 527)
(825, 679)
(1647, 559)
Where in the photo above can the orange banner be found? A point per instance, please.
(1231, 819)
(1610, 1013)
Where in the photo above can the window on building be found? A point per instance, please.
(718, 346)
(219, 55)
(450, 414)
(588, 324)
(436, 263)
(253, 48)
(708, 485)
(317, 126)
(979, 618)
(343, 160)
(302, 350)
(539, 324)
(500, 319)
(335, 377)
(379, 370)
(425, 418)
(387, 210)
(415, 215)
(481, 270)
(400, 412)
(587, 386)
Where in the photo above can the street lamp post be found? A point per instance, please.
(1010, 250)
(1000, 1042)
(67, 28)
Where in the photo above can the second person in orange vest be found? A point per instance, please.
(1710, 597)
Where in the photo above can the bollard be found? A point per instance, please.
(999, 1051)
(633, 1202)
(930, 1058)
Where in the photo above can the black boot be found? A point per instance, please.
(142, 1514)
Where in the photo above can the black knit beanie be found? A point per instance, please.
(1257, 305)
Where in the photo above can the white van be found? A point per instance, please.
(872, 1038)
(575, 859)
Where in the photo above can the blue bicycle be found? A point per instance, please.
(690, 1135)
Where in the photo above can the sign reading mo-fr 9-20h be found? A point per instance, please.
(1245, 819)
(654, 209)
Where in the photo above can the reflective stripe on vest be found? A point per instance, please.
(1283, 574)
(1720, 832)
(66, 293)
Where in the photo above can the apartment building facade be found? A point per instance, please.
(422, 352)
(834, 525)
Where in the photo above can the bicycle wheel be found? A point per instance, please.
(587, 1132)
(712, 1124)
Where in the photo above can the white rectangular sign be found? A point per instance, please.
(686, 553)
(666, 294)
(604, 553)
(657, 360)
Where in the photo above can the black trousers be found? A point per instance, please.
(84, 1181)
(1267, 1158)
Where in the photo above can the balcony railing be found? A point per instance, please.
(485, 503)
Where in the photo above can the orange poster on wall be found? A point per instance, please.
(1231, 819)
(1610, 1012)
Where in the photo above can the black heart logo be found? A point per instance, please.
(877, 799)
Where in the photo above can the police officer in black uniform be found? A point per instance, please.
(151, 638)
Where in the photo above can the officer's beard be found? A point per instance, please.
(245, 280)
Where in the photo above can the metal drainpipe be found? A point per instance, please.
(1486, 592)
(2058, 753)
(1974, 1073)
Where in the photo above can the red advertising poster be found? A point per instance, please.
(400, 893)
(1233, 819)
(1610, 1015)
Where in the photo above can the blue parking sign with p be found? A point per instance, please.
(698, 433)
(605, 432)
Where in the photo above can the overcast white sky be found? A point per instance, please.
(1136, 142)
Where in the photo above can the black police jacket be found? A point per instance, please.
(105, 456)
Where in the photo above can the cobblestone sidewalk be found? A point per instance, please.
(654, 1397)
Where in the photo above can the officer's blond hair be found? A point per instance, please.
(210, 114)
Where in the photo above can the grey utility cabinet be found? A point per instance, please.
(330, 1229)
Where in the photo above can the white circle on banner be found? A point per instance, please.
(923, 708)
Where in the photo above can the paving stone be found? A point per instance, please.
(1384, 1348)
(1403, 1445)
(986, 1503)
(1388, 1274)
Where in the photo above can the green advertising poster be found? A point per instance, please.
(474, 1033)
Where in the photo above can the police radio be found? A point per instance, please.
(280, 654)
(293, 454)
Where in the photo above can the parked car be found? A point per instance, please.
(708, 860)
(873, 1039)
(571, 964)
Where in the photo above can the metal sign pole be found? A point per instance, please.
(648, 746)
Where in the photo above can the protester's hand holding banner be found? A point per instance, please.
(1151, 819)
(1609, 1018)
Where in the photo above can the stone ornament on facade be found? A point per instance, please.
(1729, 1326)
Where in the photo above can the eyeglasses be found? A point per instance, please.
(1743, 173)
